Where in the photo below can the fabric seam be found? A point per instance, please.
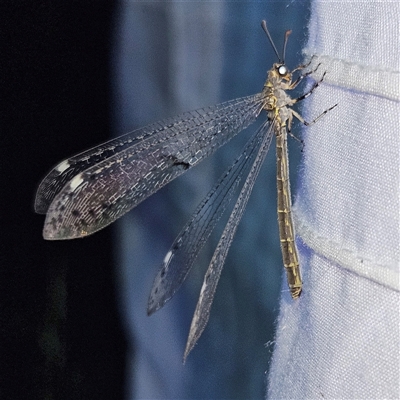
(344, 257)
(382, 82)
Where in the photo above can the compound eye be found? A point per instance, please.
(282, 70)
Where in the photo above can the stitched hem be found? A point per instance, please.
(346, 258)
(380, 82)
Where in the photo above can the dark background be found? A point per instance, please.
(55, 84)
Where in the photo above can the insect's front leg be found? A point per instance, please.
(302, 76)
(303, 66)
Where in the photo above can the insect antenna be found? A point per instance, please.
(287, 33)
(264, 26)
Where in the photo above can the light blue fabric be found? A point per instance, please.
(341, 340)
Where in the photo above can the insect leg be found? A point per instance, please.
(305, 95)
(302, 66)
(301, 119)
(289, 128)
(301, 77)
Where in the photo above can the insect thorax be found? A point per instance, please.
(276, 100)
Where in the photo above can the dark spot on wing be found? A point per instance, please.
(183, 164)
(179, 163)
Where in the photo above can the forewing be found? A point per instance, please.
(67, 169)
(100, 194)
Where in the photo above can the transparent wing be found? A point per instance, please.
(186, 247)
(140, 163)
(202, 312)
(65, 170)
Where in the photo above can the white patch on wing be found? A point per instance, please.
(75, 182)
(203, 288)
(167, 258)
(62, 166)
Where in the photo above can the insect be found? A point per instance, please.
(89, 191)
